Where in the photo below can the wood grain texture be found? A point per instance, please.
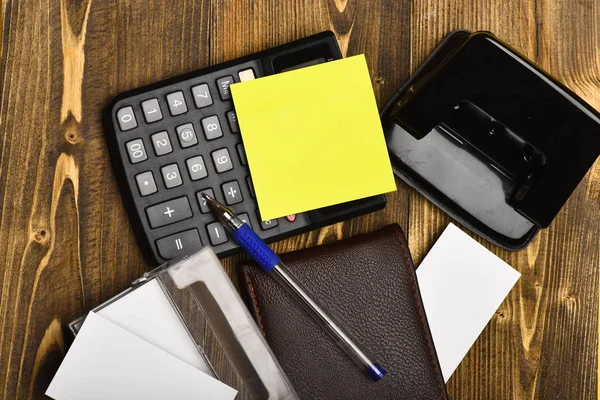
(66, 244)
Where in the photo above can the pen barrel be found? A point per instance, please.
(320, 315)
(256, 247)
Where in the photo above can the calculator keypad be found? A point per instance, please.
(179, 244)
(178, 140)
(161, 143)
(233, 123)
(126, 118)
(223, 85)
(176, 103)
(204, 209)
(216, 233)
(151, 110)
(196, 168)
(232, 193)
(222, 160)
(187, 135)
(169, 212)
(241, 153)
(202, 96)
(212, 127)
(136, 150)
(145, 183)
(171, 176)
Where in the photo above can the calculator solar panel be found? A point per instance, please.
(172, 140)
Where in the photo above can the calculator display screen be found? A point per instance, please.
(316, 61)
(304, 57)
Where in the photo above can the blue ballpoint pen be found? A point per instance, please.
(270, 262)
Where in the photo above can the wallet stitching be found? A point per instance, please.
(255, 304)
(420, 310)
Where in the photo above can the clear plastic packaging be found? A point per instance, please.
(217, 320)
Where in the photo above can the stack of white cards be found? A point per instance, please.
(136, 348)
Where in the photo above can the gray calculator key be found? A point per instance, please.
(203, 206)
(171, 175)
(187, 135)
(169, 212)
(202, 96)
(211, 127)
(245, 218)
(196, 168)
(136, 151)
(232, 193)
(233, 122)
(250, 186)
(145, 183)
(222, 160)
(161, 143)
(176, 103)
(241, 153)
(268, 224)
(151, 110)
(179, 244)
(126, 118)
(216, 233)
(223, 85)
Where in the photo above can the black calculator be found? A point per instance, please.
(173, 140)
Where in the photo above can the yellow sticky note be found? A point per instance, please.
(313, 137)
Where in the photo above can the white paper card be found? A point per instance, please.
(462, 285)
(147, 313)
(108, 362)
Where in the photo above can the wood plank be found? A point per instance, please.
(65, 241)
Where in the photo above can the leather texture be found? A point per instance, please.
(368, 284)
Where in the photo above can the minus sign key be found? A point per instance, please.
(216, 233)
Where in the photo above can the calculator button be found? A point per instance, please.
(241, 153)
(233, 122)
(176, 103)
(202, 96)
(171, 175)
(268, 224)
(216, 233)
(126, 118)
(222, 160)
(291, 217)
(187, 135)
(179, 244)
(250, 186)
(245, 218)
(136, 151)
(246, 75)
(223, 85)
(231, 191)
(196, 168)
(151, 110)
(169, 212)
(161, 143)
(211, 127)
(203, 206)
(145, 183)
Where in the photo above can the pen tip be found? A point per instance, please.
(206, 197)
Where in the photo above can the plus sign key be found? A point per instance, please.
(169, 212)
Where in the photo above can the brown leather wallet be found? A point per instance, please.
(367, 283)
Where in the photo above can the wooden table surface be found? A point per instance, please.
(66, 243)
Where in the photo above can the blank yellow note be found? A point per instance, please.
(313, 137)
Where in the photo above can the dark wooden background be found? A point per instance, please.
(65, 240)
